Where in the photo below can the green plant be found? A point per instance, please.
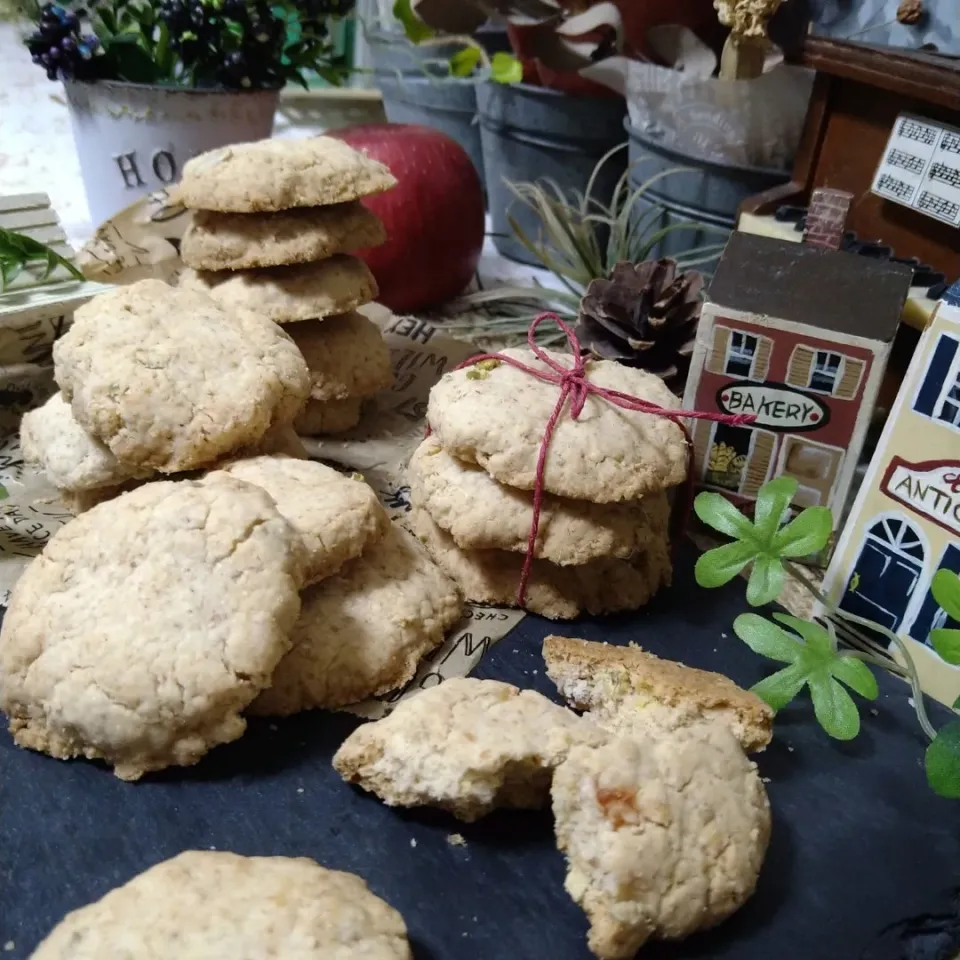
(227, 44)
(18, 251)
(569, 246)
(771, 543)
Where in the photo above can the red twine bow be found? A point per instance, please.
(575, 386)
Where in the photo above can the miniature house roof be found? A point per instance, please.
(833, 291)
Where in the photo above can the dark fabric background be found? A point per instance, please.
(859, 841)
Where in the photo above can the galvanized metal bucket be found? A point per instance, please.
(698, 200)
(533, 133)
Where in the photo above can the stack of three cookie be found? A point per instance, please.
(273, 228)
(603, 538)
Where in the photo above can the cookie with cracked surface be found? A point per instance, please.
(169, 380)
(337, 516)
(495, 417)
(627, 689)
(321, 417)
(362, 632)
(467, 746)
(83, 673)
(288, 907)
(239, 241)
(481, 514)
(558, 593)
(346, 356)
(304, 291)
(663, 835)
(271, 175)
(72, 459)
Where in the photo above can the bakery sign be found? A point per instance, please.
(930, 488)
(776, 406)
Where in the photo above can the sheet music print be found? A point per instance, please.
(921, 168)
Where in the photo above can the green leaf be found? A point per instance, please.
(718, 512)
(17, 251)
(942, 761)
(945, 587)
(766, 581)
(3, 492)
(781, 687)
(767, 639)
(721, 564)
(772, 501)
(947, 643)
(817, 640)
(807, 534)
(834, 707)
(415, 29)
(505, 68)
(856, 675)
(465, 61)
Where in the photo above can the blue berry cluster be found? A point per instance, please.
(58, 46)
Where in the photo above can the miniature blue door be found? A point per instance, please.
(886, 572)
(931, 615)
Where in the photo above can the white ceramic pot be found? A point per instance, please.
(133, 139)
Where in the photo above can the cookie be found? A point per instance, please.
(495, 416)
(663, 835)
(51, 438)
(303, 291)
(467, 746)
(481, 514)
(337, 516)
(558, 593)
(239, 241)
(271, 175)
(149, 623)
(209, 904)
(362, 632)
(626, 689)
(346, 356)
(320, 417)
(169, 380)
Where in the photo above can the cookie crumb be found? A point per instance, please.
(274, 727)
(789, 748)
(456, 840)
(874, 712)
(413, 842)
(723, 636)
(9, 945)
(765, 779)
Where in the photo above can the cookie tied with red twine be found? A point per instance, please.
(575, 388)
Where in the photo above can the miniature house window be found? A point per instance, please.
(735, 353)
(733, 458)
(939, 393)
(815, 466)
(931, 616)
(824, 371)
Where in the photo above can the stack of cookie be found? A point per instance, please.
(272, 230)
(603, 542)
(159, 381)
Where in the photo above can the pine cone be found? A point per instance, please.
(645, 315)
(910, 12)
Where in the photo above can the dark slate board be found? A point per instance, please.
(858, 841)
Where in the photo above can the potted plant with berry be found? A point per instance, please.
(150, 85)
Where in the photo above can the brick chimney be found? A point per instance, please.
(827, 217)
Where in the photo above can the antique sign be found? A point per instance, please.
(930, 488)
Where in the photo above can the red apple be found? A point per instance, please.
(434, 216)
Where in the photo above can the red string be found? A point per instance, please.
(575, 386)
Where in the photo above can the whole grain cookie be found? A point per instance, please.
(271, 175)
(72, 459)
(169, 380)
(362, 632)
(303, 291)
(558, 593)
(80, 501)
(626, 689)
(239, 241)
(337, 516)
(481, 514)
(495, 415)
(321, 417)
(663, 835)
(148, 623)
(346, 356)
(467, 746)
(207, 904)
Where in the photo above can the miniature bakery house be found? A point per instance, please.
(797, 335)
(905, 523)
